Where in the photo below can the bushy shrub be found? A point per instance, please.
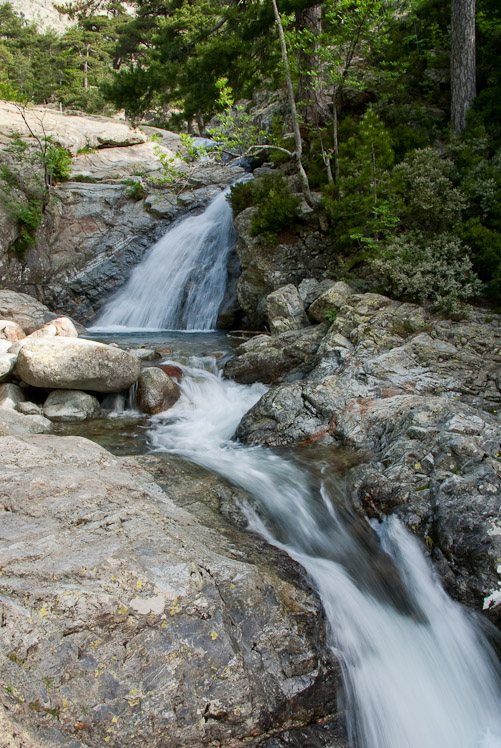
(429, 268)
(276, 207)
(58, 161)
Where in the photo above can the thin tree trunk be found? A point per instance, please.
(86, 65)
(292, 105)
(335, 135)
(200, 123)
(463, 68)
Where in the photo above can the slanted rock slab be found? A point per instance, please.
(76, 364)
(126, 622)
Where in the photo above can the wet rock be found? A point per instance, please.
(71, 405)
(156, 391)
(418, 397)
(144, 354)
(174, 372)
(62, 326)
(135, 609)
(285, 310)
(11, 396)
(73, 363)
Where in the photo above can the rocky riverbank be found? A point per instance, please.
(416, 395)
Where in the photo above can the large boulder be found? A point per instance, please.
(76, 364)
(273, 359)
(13, 423)
(285, 310)
(71, 405)
(126, 621)
(156, 391)
(7, 361)
(23, 309)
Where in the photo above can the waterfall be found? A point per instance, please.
(417, 671)
(181, 282)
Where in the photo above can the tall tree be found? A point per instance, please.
(463, 63)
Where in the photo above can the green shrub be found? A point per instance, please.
(276, 207)
(29, 217)
(435, 268)
(135, 189)
(58, 162)
(241, 196)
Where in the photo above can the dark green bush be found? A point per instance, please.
(276, 207)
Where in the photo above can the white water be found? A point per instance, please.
(181, 282)
(417, 671)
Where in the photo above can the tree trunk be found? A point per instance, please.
(312, 95)
(86, 65)
(292, 104)
(463, 75)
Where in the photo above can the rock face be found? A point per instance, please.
(266, 268)
(419, 397)
(285, 310)
(28, 313)
(156, 391)
(125, 621)
(73, 363)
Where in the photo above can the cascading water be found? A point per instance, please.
(417, 672)
(181, 283)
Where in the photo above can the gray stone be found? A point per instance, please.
(14, 423)
(29, 409)
(329, 301)
(156, 391)
(117, 605)
(310, 289)
(10, 396)
(7, 363)
(74, 363)
(26, 311)
(71, 405)
(285, 310)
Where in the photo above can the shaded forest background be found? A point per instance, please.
(410, 189)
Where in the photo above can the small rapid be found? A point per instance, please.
(418, 672)
(181, 282)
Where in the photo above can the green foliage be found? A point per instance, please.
(135, 189)
(28, 216)
(276, 207)
(425, 268)
(58, 163)
(362, 206)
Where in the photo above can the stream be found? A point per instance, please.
(418, 671)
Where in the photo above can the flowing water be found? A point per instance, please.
(417, 671)
(181, 282)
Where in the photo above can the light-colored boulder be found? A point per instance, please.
(121, 162)
(29, 313)
(10, 330)
(10, 396)
(285, 310)
(13, 423)
(7, 363)
(329, 301)
(62, 326)
(74, 363)
(156, 391)
(71, 405)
